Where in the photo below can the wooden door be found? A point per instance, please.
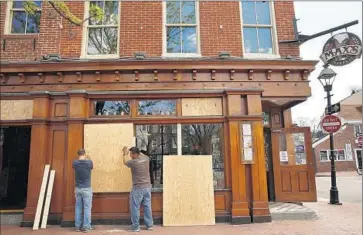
(293, 165)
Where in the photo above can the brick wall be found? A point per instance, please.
(345, 136)
(141, 30)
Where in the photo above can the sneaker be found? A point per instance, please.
(77, 230)
(150, 228)
(86, 230)
(134, 230)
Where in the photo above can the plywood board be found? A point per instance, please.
(41, 198)
(104, 143)
(48, 199)
(188, 194)
(16, 109)
(202, 107)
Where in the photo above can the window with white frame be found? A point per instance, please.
(339, 155)
(102, 35)
(181, 28)
(22, 22)
(257, 27)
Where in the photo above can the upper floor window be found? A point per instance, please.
(102, 37)
(22, 22)
(181, 28)
(258, 27)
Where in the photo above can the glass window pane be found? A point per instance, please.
(263, 12)
(250, 40)
(173, 12)
(93, 21)
(111, 13)
(323, 156)
(111, 108)
(189, 40)
(173, 39)
(33, 23)
(156, 141)
(157, 107)
(206, 139)
(19, 22)
(102, 41)
(300, 153)
(18, 4)
(265, 40)
(248, 12)
(188, 12)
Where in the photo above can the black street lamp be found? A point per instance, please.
(326, 78)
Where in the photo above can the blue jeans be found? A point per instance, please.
(138, 196)
(83, 201)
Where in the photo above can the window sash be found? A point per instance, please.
(335, 155)
(11, 19)
(270, 26)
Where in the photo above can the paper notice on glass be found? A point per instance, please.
(246, 129)
(247, 142)
(248, 154)
(283, 156)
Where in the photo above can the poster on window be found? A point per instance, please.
(348, 151)
(246, 129)
(283, 156)
(247, 141)
(248, 154)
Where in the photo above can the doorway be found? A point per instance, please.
(358, 159)
(269, 165)
(14, 166)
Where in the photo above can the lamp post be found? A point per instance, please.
(326, 78)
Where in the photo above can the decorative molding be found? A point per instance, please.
(117, 75)
(60, 76)
(41, 77)
(305, 74)
(194, 74)
(231, 74)
(269, 74)
(250, 74)
(213, 74)
(3, 78)
(21, 77)
(79, 76)
(175, 73)
(136, 75)
(156, 75)
(98, 76)
(287, 75)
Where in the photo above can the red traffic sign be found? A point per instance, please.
(360, 141)
(331, 123)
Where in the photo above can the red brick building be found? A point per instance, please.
(228, 57)
(348, 151)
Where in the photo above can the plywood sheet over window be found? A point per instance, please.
(104, 143)
(16, 109)
(188, 196)
(202, 107)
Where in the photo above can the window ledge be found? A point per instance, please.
(177, 55)
(94, 57)
(20, 36)
(261, 56)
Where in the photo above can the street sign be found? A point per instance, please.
(331, 123)
(335, 108)
(360, 141)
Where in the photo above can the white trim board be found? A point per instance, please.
(48, 199)
(41, 197)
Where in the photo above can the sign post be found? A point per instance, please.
(331, 123)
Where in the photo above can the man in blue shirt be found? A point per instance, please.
(83, 191)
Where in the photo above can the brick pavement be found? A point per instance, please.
(333, 220)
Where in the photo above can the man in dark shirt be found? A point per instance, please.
(141, 187)
(83, 191)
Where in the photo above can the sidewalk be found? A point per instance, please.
(339, 174)
(333, 220)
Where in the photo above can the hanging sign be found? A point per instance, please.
(342, 49)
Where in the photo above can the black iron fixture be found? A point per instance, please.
(224, 55)
(326, 78)
(301, 38)
(52, 57)
(139, 55)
